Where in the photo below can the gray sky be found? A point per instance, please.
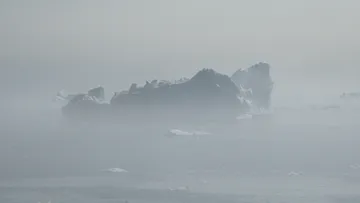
(79, 44)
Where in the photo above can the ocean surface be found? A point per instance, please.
(305, 153)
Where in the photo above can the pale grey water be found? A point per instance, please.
(304, 153)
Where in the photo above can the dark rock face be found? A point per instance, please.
(256, 83)
(205, 87)
(208, 93)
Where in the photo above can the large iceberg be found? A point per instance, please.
(255, 83)
(208, 95)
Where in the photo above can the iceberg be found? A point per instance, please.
(207, 96)
(177, 132)
(116, 170)
(350, 95)
(255, 84)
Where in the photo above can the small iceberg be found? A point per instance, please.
(177, 132)
(182, 188)
(293, 173)
(355, 166)
(116, 170)
(244, 117)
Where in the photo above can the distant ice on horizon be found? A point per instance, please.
(116, 170)
(177, 132)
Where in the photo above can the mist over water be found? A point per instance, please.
(304, 149)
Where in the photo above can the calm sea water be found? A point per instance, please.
(305, 153)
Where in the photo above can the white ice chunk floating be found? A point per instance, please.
(177, 132)
(116, 170)
(244, 116)
(182, 188)
(293, 173)
(355, 166)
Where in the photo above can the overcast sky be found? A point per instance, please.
(79, 44)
